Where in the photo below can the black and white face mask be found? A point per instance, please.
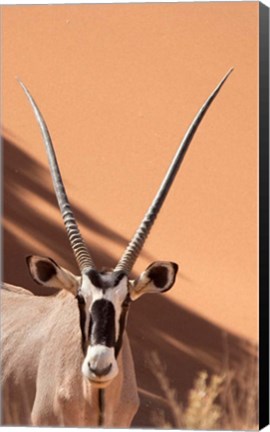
(103, 300)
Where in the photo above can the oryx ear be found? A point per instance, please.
(47, 272)
(158, 277)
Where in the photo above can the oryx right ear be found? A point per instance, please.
(45, 271)
(157, 278)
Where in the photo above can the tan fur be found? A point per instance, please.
(41, 366)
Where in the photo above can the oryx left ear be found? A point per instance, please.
(45, 271)
(158, 277)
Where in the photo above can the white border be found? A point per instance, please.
(55, 2)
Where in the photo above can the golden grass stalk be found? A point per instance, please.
(228, 400)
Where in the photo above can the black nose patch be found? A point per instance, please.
(102, 323)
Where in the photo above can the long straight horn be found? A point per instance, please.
(81, 253)
(131, 253)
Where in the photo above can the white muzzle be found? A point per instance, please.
(100, 365)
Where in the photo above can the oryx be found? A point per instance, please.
(66, 359)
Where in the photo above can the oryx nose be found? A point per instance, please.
(100, 372)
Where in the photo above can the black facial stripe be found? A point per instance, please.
(95, 278)
(122, 324)
(105, 280)
(118, 276)
(81, 304)
(102, 323)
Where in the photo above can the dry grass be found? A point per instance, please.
(228, 400)
(239, 396)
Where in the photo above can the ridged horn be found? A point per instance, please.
(133, 249)
(78, 246)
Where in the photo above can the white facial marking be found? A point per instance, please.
(99, 359)
(100, 365)
(116, 295)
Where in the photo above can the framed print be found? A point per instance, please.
(135, 208)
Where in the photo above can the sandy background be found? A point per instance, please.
(118, 86)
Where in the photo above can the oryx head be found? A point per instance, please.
(104, 297)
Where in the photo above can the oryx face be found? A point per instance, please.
(103, 300)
